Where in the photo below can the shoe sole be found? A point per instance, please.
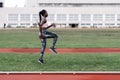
(40, 62)
(52, 51)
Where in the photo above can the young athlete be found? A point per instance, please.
(44, 34)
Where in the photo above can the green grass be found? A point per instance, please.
(68, 38)
(61, 62)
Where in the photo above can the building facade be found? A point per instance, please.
(65, 13)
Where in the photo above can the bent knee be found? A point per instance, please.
(56, 35)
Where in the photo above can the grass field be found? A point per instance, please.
(61, 62)
(68, 38)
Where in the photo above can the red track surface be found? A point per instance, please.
(61, 50)
(60, 76)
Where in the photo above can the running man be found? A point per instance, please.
(44, 34)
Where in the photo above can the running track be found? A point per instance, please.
(59, 76)
(61, 50)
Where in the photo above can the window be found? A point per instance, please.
(73, 17)
(1, 4)
(118, 24)
(110, 17)
(35, 17)
(12, 24)
(85, 24)
(85, 17)
(12, 17)
(25, 24)
(51, 17)
(118, 17)
(109, 24)
(97, 17)
(97, 24)
(61, 17)
(25, 17)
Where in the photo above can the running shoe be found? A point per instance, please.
(53, 50)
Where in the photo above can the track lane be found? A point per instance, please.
(60, 76)
(61, 50)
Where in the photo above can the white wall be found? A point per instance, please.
(60, 10)
(1, 0)
(74, 1)
(34, 3)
